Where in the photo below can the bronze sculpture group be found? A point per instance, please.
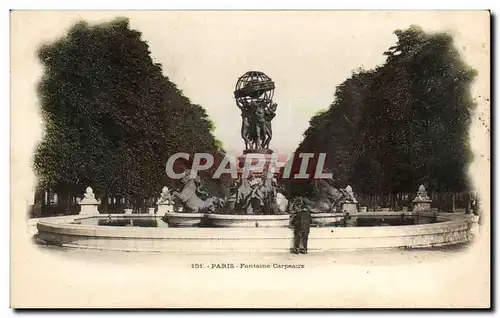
(254, 92)
(256, 129)
(256, 194)
(193, 197)
(248, 196)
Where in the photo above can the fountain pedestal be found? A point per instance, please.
(164, 209)
(165, 204)
(350, 204)
(421, 202)
(89, 203)
(421, 205)
(257, 161)
(89, 208)
(350, 207)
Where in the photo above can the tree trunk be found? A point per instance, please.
(137, 204)
(468, 203)
(68, 203)
(105, 202)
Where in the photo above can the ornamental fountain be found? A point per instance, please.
(256, 199)
(123, 232)
(254, 202)
(253, 198)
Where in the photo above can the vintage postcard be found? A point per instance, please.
(250, 159)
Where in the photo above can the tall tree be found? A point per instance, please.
(402, 124)
(111, 117)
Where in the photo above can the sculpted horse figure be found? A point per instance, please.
(191, 201)
(282, 203)
(327, 198)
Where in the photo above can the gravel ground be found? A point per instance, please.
(48, 276)
(361, 257)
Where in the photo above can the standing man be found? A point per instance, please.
(301, 223)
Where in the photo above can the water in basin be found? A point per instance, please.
(358, 221)
(128, 221)
(391, 221)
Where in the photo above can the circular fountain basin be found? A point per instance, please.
(85, 232)
(234, 220)
(176, 219)
(324, 219)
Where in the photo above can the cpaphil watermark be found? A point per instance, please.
(299, 166)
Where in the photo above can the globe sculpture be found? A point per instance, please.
(253, 87)
(254, 96)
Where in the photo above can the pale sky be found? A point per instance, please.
(307, 54)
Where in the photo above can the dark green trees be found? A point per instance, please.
(112, 118)
(403, 124)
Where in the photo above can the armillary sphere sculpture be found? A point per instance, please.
(254, 96)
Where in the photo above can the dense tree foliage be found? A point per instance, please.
(111, 117)
(403, 124)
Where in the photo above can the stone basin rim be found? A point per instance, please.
(256, 217)
(65, 223)
(185, 214)
(61, 232)
(235, 233)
